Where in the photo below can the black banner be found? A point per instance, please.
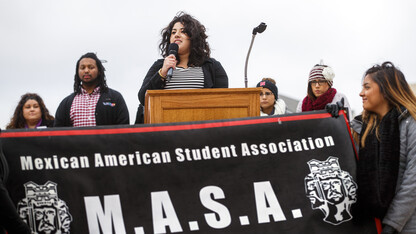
(282, 174)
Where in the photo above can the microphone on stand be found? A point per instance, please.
(258, 29)
(173, 49)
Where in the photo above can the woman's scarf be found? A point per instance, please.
(378, 166)
(320, 103)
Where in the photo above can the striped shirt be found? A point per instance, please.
(82, 111)
(186, 78)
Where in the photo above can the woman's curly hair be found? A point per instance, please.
(18, 121)
(196, 31)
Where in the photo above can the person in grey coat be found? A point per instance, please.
(386, 135)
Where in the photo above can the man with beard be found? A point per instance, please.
(92, 102)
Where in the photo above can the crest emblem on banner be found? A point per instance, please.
(331, 190)
(43, 211)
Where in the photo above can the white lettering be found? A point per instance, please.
(215, 153)
(179, 156)
(48, 163)
(110, 160)
(64, 163)
(282, 147)
(319, 143)
(273, 148)
(74, 162)
(224, 217)
(329, 141)
(26, 163)
(206, 154)
(122, 160)
(254, 149)
(98, 160)
(264, 195)
(162, 204)
(38, 163)
(111, 214)
(297, 145)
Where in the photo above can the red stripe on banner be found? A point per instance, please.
(352, 138)
(75, 132)
(378, 225)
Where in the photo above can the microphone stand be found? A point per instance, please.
(248, 55)
(258, 29)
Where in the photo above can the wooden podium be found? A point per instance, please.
(167, 106)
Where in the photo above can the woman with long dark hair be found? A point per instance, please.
(193, 66)
(30, 112)
(386, 134)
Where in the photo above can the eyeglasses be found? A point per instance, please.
(320, 82)
(266, 93)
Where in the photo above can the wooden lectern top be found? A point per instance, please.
(167, 106)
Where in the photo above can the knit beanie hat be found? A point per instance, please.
(322, 72)
(269, 85)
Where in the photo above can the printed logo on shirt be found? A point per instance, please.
(331, 190)
(112, 104)
(42, 210)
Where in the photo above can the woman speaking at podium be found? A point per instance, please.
(186, 65)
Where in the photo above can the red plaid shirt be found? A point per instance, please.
(82, 111)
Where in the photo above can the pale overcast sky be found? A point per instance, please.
(41, 40)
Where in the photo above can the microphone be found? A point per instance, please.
(259, 29)
(173, 49)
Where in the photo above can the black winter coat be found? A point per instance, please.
(104, 114)
(214, 77)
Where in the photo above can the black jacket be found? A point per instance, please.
(214, 77)
(9, 218)
(104, 114)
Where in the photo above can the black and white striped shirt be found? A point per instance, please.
(186, 78)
